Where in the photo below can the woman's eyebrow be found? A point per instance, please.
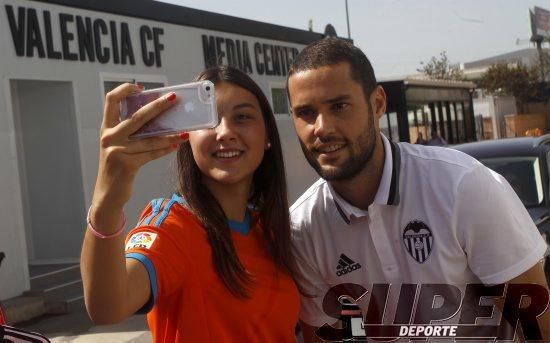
(244, 105)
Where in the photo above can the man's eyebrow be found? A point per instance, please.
(300, 108)
(337, 99)
(327, 101)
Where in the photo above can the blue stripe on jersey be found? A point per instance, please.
(155, 203)
(241, 227)
(175, 198)
(179, 199)
(152, 280)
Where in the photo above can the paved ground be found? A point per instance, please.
(77, 327)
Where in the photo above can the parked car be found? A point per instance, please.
(525, 163)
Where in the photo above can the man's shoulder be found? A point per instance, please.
(308, 208)
(452, 161)
(442, 174)
(310, 196)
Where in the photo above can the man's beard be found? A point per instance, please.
(358, 157)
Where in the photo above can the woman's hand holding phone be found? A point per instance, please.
(120, 157)
(106, 274)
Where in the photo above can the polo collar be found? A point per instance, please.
(388, 189)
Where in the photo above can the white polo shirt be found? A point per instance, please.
(439, 216)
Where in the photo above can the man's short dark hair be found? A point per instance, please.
(331, 51)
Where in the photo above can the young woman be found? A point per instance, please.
(212, 263)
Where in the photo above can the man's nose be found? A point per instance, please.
(323, 126)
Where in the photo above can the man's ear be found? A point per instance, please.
(378, 102)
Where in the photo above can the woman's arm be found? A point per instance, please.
(110, 280)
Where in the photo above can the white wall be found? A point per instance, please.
(496, 108)
(182, 58)
(504, 106)
(486, 107)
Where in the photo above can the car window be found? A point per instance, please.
(523, 174)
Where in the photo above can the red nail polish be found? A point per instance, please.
(174, 146)
(140, 86)
(184, 135)
(171, 97)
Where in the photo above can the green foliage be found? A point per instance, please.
(508, 80)
(440, 68)
(537, 67)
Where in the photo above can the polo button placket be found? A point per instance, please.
(382, 245)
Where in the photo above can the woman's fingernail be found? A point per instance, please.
(140, 86)
(171, 96)
(184, 135)
(174, 146)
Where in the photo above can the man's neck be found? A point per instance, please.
(361, 190)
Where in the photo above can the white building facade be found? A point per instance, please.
(58, 59)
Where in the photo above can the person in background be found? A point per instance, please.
(436, 139)
(420, 139)
(211, 263)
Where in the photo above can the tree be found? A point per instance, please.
(544, 58)
(441, 69)
(510, 80)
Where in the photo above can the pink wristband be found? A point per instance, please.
(99, 234)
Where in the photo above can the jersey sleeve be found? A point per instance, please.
(310, 283)
(495, 230)
(154, 244)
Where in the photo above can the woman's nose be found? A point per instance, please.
(224, 130)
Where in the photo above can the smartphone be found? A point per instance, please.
(195, 109)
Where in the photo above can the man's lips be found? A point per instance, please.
(329, 148)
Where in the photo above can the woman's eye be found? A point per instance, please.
(242, 117)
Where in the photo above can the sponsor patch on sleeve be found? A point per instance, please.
(141, 240)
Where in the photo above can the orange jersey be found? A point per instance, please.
(190, 301)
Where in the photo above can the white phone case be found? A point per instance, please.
(195, 109)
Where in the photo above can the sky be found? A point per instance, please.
(397, 35)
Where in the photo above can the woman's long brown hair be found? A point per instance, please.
(268, 198)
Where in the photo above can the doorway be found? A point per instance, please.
(49, 169)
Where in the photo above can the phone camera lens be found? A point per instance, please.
(207, 88)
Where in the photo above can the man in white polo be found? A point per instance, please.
(387, 213)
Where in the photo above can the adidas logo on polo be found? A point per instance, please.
(346, 265)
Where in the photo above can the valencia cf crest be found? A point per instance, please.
(418, 240)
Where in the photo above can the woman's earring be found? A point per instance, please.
(268, 146)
